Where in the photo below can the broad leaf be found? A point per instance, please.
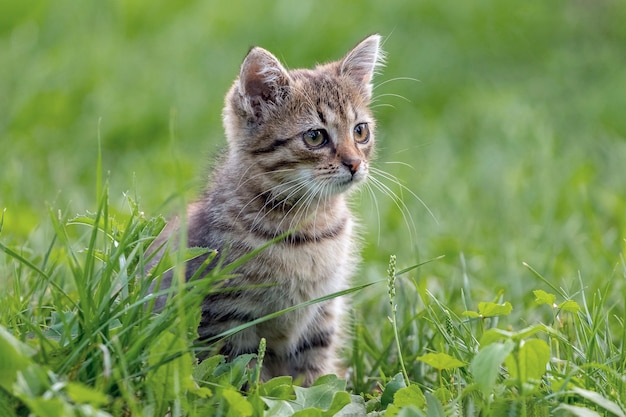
(393, 386)
(321, 394)
(411, 395)
(82, 394)
(542, 297)
(489, 309)
(355, 408)
(325, 398)
(238, 406)
(14, 357)
(435, 409)
(570, 306)
(485, 366)
(532, 358)
(278, 388)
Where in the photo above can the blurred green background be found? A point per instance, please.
(514, 136)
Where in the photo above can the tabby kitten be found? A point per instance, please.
(298, 141)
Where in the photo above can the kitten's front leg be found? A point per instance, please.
(316, 352)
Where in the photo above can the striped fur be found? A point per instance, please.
(272, 181)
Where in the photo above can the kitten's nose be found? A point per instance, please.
(352, 164)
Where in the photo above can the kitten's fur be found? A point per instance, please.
(297, 142)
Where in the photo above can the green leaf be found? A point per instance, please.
(486, 364)
(393, 386)
(234, 373)
(278, 408)
(308, 412)
(207, 367)
(48, 407)
(441, 361)
(278, 388)
(600, 401)
(238, 406)
(443, 394)
(576, 411)
(355, 408)
(409, 411)
(542, 297)
(320, 394)
(435, 408)
(14, 357)
(493, 335)
(340, 400)
(489, 309)
(82, 394)
(411, 395)
(529, 331)
(532, 358)
(325, 398)
(570, 306)
(330, 380)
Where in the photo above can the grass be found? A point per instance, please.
(514, 138)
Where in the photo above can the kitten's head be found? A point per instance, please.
(305, 133)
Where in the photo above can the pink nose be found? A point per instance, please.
(352, 164)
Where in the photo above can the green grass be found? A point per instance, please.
(513, 137)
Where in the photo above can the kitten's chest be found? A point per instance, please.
(303, 271)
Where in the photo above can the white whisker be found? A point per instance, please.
(383, 105)
(396, 181)
(377, 209)
(293, 190)
(260, 174)
(404, 210)
(391, 95)
(396, 79)
(400, 163)
(294, 187)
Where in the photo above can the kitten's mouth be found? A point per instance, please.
(358, 177)
(345, 184)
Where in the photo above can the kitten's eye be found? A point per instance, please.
(361, 133)
(315, 138)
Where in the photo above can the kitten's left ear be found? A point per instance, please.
(361, 63)
(263, 81)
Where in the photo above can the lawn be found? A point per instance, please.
(503, 123)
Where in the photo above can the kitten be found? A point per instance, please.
(298, 141)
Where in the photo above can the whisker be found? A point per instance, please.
(376, 208)
(396, 79)
(292, 189)
(391, 95)
(240, 184)
(400, 163)
(404, 210)
(259, 195)
(302, 205)
(395, 180)
(244, 175)
(383, 105)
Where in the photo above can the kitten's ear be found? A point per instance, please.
(263, 81)
(361, 63)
